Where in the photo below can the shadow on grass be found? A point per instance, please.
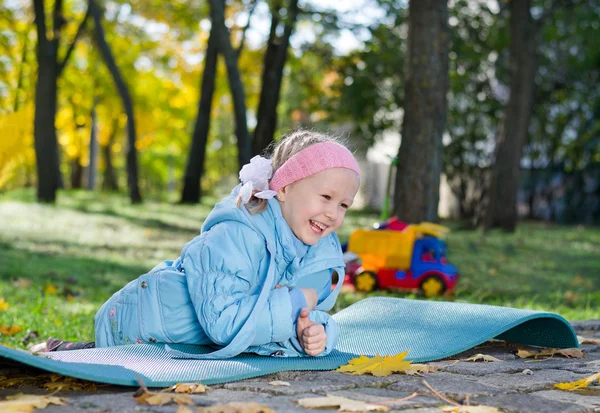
(142, 222)
(94, 279)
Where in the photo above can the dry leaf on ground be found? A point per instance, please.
(237, 407)
(377, 366)
(344, 404)
(588, 340)
(9, 330)
(25, 403)
(279, 383)
(418, 369)
(145, 396)
(470, 409)
(160, 399)
(190, 388)
(579, 384)
(550, 352)
(482, 357)
(183, 409)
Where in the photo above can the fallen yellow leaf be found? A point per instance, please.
(237, 407)
(9, 330)
(470, 409)
(586, 340)
(25, 403)
(579, 384)
(50, 289)
(550, 352)
(482, 357)
(190, 388)
(183, 409)
(344, 404)
(377, 366)
(3, 305)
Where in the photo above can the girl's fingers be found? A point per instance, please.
(314, 330)
(314, 339)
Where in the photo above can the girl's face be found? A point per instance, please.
(315, 206)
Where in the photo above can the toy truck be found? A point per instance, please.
(413, 258)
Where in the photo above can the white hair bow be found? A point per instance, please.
(255, 176)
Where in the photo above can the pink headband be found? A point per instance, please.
(311, 160)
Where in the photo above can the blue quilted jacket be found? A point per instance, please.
(221, 290)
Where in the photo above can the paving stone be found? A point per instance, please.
(528, 403)
(592, 326)
(589, 398)
(455, 386)
(386, 395)
(311, 382)
(522, 383)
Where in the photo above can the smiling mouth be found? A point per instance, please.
(318, 227)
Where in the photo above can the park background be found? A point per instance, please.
(123, 122)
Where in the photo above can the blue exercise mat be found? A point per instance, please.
(430, 330)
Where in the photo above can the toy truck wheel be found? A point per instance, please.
(433, 286)
(365, 282)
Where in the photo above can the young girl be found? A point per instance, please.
(258, 277)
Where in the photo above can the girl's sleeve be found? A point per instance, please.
(225, 271)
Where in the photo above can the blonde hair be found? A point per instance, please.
(283, 150)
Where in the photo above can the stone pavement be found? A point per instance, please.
(514, 385)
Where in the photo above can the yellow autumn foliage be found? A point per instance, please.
(16, 145)
(377, 366)
(579, 384)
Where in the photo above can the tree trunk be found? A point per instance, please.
(502, 202)
(421, 151)
(195, 167)
(132, 167)
(110, 181)
(217, 14)
(76, 173)
(92, 168)
(46, 146)
(274, 62)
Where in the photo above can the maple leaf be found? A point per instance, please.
(3, 305)
(579, 384)
(344, 404)
(238, 407)
(470, 409)
(377, 366)
(587, 340)
(550, 352)
(25, 403)
(482, 357)
(190, 388)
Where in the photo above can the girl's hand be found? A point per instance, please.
(311, 335)
(310, 295)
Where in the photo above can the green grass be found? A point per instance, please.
(59, 263)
